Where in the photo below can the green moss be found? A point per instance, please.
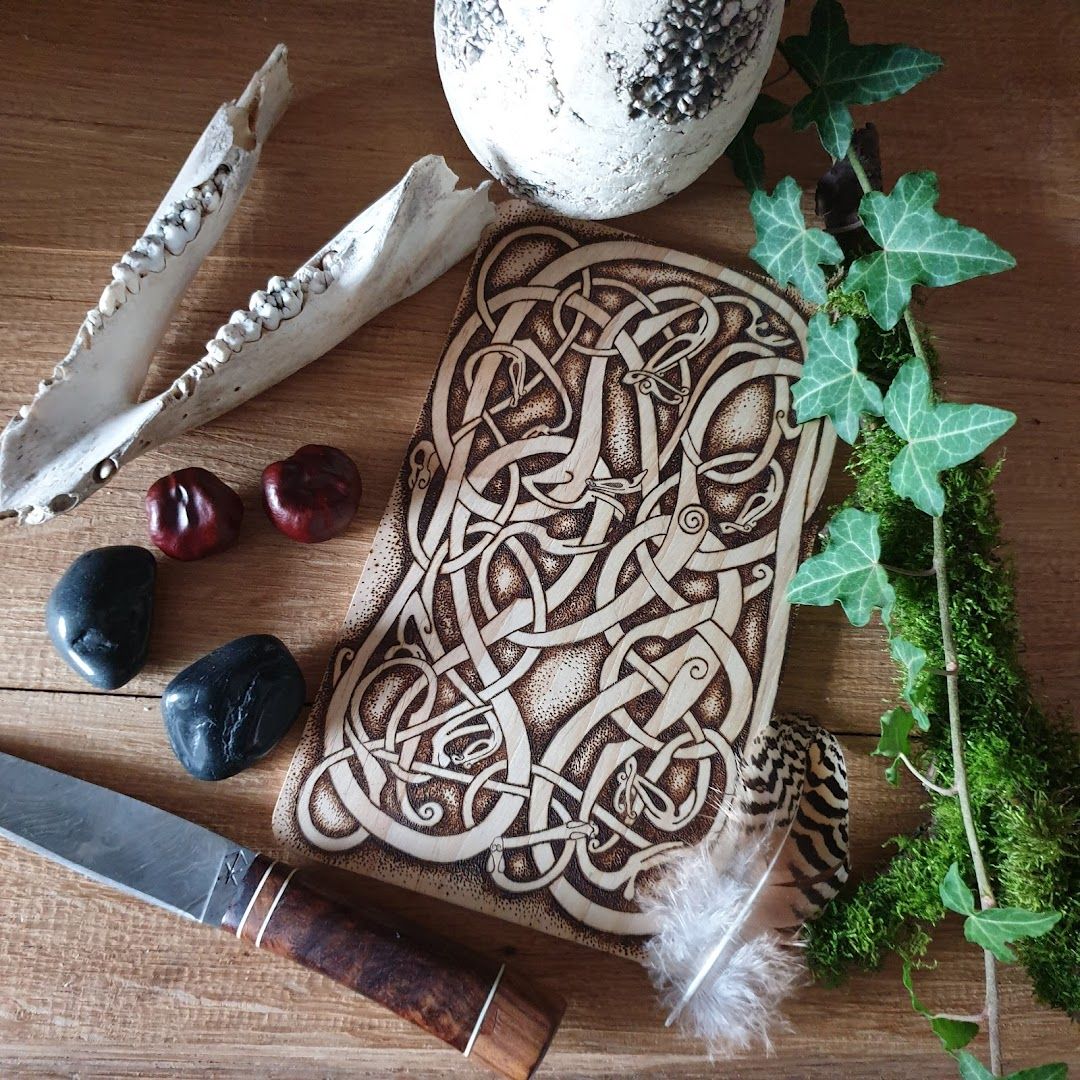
(1024, 768)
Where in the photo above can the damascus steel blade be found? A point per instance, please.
(120, 841)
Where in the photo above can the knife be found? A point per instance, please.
(470, 1002)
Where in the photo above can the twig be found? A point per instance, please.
(925, 780)
(963, 794)
(956, 741)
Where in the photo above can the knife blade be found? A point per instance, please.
(469, 1002)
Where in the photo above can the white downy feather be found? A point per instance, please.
(699, 905)
(725, 954)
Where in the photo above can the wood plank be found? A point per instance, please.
(96, 111)
(73, 996)
(78, 734)
(67, 978)
(312, 586)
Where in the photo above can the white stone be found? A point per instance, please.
(555, 97)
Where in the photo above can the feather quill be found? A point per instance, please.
(725, 952)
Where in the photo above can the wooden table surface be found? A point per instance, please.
(99, 102)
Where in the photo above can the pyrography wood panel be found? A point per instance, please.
(573, 615)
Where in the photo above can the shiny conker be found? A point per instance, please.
(191, 514)
(313, 495)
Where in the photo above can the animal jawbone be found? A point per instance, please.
(86, 420)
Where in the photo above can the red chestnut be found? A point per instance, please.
(313, 495)
(191, 514)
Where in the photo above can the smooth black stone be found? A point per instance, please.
(233, 706)
(99, 614)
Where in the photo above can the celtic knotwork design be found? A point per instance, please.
(573, 614)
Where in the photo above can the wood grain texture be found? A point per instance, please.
(98, 104)
(469, 1001)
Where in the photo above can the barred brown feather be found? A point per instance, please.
(727, 911)
(795, 768)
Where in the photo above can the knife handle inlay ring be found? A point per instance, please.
(254, 897)
(273, 906)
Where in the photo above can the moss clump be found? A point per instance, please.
(1024, 768)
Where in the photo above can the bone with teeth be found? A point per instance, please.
(87, 421)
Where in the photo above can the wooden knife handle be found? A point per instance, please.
(468, 1001)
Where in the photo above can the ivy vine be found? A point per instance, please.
(1003, 780)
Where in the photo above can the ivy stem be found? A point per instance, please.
(963, 793)
(952, 682)
(964, 1018)
(925, 780)
(913, 333)
(860, 172)
(929, 572)
(778, 78)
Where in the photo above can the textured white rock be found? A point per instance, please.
(598, 108)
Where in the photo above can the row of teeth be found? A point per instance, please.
(282, 299)
(172, 232)
(267, 309)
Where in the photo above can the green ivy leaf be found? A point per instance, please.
(938, 436)
(1058, 1071)
(840, 74)
(994, 928)
(971, 1068)
(785, 247)
(847, 570)
(913, 660)
(747, 159)
(896, 726)
(955, 894)
(831, 384)
(954, 1034)
(919, 247)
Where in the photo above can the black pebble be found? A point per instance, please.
(233, 706)
(99, 614)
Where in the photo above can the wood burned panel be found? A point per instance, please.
(573, 614)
